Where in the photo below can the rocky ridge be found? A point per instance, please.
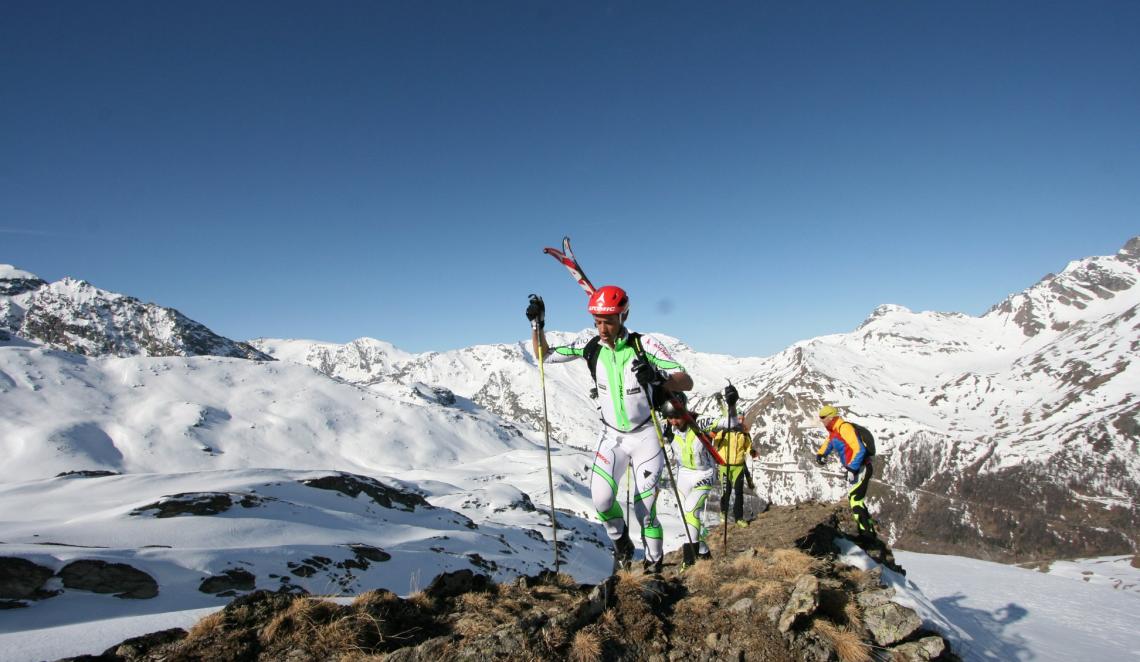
(76, 316)
(776, 594)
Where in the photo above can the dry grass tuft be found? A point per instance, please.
(847, 644)
(629, 580)
(587, 646)
(791, 563)
(375, 600)
(750, 566)
(854, 615)
(695, 606)
(608, 621)
(565, 581)
(743, 587)
(322, 628)
(422, 601)
(703, 576)
(209, 625)
(475, 601)
(473, 625)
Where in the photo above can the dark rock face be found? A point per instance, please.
(137, 648)
(13, 286)
(87, 473)
(101, 577)
(352, 485)
(197, 503)
(453, 584)
(20, 578)
(229, 582)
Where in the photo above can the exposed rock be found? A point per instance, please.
(876, 598)
(803, 601)
(352, 485)
(452, 584)
(136, 648)
(101, 577)
(197, 503)
(235, 579)
(891, 623)
(87, 473)
(923, 650)
(20, 578)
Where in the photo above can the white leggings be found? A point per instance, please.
(640, 451)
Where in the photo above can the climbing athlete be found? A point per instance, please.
(629, 370)
(695, 472)
(844, 441)
(734, 444)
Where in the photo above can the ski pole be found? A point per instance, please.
(546, 434)
(628, 488)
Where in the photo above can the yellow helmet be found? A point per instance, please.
(828, 411)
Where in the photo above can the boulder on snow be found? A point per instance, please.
(352, 485)
(197, 503)
(20, 578)
(97, 576)
(229, 582)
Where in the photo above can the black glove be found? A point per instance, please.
(536, 312)
(820, 460)
(667, 434)
(731, 397)
(646, 374)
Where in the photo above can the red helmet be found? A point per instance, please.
(609, 300)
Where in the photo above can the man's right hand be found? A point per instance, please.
(820, 460)
(731, 397)
(536, 312)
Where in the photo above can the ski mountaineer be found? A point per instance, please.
(696, 472)
(845, 442)
(625, 367)
(735, 445)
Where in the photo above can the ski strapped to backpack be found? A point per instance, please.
(865, 438)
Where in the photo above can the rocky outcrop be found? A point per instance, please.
(762, 598)
(197, 503)
(229, 582)
(97, 576)
(21, 579)
(352, 485)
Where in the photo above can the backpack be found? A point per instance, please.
(865, 438)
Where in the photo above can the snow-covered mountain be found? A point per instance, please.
(81, 318)
(1010, 435)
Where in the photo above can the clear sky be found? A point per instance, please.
(754, 174)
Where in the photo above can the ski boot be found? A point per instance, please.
(623, 552)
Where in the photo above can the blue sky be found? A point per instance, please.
(754, 175)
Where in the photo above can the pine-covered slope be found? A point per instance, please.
(76, 316)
